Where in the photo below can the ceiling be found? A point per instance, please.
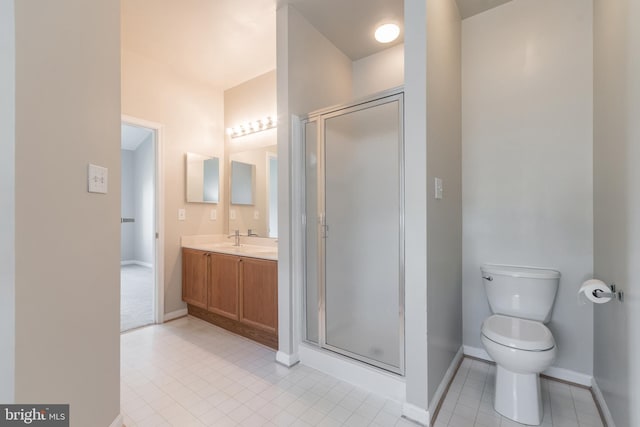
(469, 8)
(132, 136)
(226, 42)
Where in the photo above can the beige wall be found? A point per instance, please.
(192, 117)
(378, 72)
(527, 158)
(252, 100)
(444, 216)
(617, 204)
(67, 267)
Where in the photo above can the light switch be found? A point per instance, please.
(232, 214)
(213, 215)
(438, 188)
(98, 178)
(182, 214)
(256, 214)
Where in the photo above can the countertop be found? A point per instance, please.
(253, 247)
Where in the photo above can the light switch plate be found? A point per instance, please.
(232, 214)
(213, 215)
(182, 214)
(97, 179)
(256, 214)
(438, 188)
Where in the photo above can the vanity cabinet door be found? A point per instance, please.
(259, 293)
(223, 285)
(194, 277)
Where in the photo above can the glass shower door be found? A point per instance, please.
(361, 307)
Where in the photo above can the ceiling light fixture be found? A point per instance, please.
(386, 33)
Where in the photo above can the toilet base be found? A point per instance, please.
(517, 396)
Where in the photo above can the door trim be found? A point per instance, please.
(158, 247)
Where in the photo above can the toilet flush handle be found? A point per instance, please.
(489, 278)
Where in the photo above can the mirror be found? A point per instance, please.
(242, 183)
(260, 215)
(203, 178)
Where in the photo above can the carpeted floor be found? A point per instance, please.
(136, 298)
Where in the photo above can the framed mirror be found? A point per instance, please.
(203, 178)
(261, 214)
(242, 183)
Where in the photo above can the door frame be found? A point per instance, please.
(158, 246)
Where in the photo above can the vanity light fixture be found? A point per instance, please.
(386, 33)
(252, 127)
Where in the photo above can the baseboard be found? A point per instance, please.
(118, 422)
(602, 404)
(136, 262)
(415, 413)
(384, 383)
(174, 314)
(287, 360)
(446, 380)
(553, 372)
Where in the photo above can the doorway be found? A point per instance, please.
(141, 300)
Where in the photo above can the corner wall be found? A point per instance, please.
(527, 158)
(67, 265)
(311, 74)
(617, 204)
(444, 216)
(193, 120)
(7, 199)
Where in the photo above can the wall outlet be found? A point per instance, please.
(213, 215)
(182, 214)
(256, 214)
(97, 179)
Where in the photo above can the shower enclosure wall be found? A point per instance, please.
(354, 231)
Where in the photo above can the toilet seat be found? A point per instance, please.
(518, 333)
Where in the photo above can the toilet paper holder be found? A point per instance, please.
(619, 295)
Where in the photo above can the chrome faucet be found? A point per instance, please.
(236, 234)
(250, 233)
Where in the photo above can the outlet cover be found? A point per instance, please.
(97, 179)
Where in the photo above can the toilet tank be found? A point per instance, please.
(524, 292)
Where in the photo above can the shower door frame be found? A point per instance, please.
(393, 95)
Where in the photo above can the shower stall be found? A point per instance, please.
(354, 231)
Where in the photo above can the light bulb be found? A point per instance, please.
(387, 33)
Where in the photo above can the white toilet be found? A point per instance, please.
(516, 338)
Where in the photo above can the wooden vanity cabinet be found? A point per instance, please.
(237, 293)
(259, 293)
(223, 285)
(195, 265)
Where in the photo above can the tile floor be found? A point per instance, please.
(190, 373)
(136, 296)
(469, 401)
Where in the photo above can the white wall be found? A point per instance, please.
(617, 204)
(192, 115)
(415, 113)
(67, 266)
(143, 195)
(312, 74)
(127, 207)
(7, 200)
(444, 216)
(527, 158)
(378, 72)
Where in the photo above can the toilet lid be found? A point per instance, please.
(518, 333)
